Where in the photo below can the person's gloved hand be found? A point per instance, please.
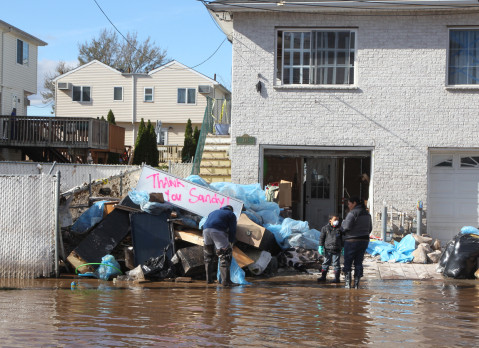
(342, 251)
(321, 250)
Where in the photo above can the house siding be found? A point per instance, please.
(400, 109)
(164, 107)
(17, 79)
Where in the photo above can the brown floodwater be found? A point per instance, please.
(282, 311)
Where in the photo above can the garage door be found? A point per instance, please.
(453, 194)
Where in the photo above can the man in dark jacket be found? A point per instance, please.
(219, 231)
(356, 229)
(330, 245)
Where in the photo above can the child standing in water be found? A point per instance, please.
(330, 246)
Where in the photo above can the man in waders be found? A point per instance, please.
(219, 231)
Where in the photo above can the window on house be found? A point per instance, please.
(463, 66)
(470, 162)
(148, 94)
(316, 57)
(22, 52)
(81, 93)
(186, 95)
(162, 137)
(117, 93)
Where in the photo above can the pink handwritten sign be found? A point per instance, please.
(185, 194)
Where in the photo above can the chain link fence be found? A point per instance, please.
(72, 174)
(27, 225)
(180, 170)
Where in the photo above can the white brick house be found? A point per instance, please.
(387, 91)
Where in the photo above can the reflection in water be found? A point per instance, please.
(47, 312)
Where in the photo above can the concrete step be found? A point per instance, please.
(221, 162)
(216, 178)
(213, 155)
(215, 170)
(217, 147)
(218, 139)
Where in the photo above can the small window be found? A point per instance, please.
(441, 160)
(470, 162)
(148, 94)
(118, 93)
(22, 52)
(81, 94)
(463, 66)
(186, 95)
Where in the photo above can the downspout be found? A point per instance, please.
(1, 73)
(133, 106)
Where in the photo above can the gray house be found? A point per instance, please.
(357, 98)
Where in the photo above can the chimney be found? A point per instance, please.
(214, 78)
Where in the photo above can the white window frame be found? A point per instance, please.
(81, 94)
(312, 66)
(187, 89)
(152, 95)
(117, 100)
(448, 81)
(25, 59)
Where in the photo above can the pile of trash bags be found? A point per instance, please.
(288, 233)
(460, 258)
(397, 252)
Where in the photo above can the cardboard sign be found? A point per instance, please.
(185, 194)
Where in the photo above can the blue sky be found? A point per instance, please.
(182, 27)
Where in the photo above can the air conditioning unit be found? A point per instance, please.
(204, 89)
(64, 85)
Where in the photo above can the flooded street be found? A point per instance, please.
(278, 312)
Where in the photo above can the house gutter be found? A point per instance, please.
(133, 106)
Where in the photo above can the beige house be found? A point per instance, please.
(167, 96)
(18, 68)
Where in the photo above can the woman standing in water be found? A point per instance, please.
(356, 229)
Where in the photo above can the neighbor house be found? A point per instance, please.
(167, 96)
(18, 75)
(371, 99)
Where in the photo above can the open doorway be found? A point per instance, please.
(322, 181)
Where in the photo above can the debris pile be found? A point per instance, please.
(460, 258)
(154, 232)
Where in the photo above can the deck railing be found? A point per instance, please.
(59, 132)
(170, 153)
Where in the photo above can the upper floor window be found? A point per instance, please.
(118, 93)
(22, 52)
(463, 66)
(186, 95)
(81, 93)
(316, 57)
(148, 94)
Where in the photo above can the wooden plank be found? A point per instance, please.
(397, 271)
(431, 269)
(409, 272)
(385, 271)
(421, 270)
(195, 237)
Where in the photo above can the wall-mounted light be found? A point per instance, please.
(259, 86)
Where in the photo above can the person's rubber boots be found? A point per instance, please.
(336, 277)
(347, 278)
(356, 282)
(225, 276)
(323, 276)
(209, 255)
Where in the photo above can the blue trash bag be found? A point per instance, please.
(89, 218)
(302, 240)
(270, 215)
(469, 230)
(139, 197)
(202, 222)
(109, 267)
(237, 275)
(400, 252)
(196, 179)
(156, 208)
(280, 239)
(257, 219)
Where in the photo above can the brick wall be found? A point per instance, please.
(401, 106)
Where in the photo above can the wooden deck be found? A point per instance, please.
(400, 271)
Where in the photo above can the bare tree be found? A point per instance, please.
(49, 94)
(128, 55)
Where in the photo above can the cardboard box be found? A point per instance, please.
(255, 235)
(285, 193)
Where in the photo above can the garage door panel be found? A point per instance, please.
(443, 210)
(444, 231)
(465, 185)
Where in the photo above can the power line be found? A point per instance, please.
(151, 59)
